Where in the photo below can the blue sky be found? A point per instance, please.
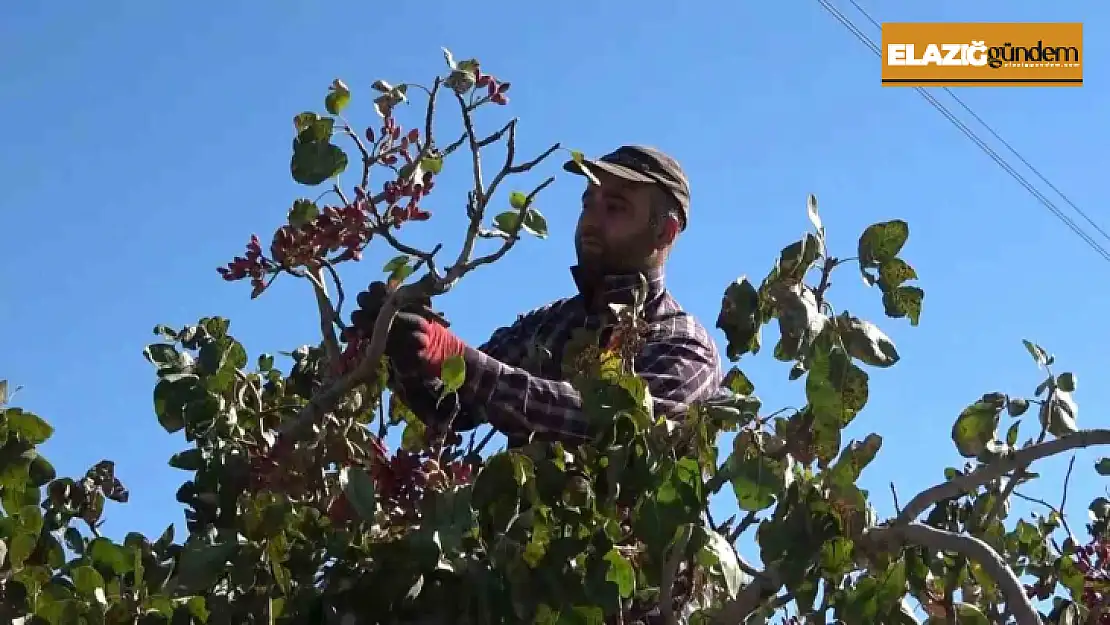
(147, 141)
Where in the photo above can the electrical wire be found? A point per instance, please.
(1005, 143)
(970, 134)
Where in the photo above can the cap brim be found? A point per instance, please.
(620, 171)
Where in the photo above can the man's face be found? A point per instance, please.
(615, 232)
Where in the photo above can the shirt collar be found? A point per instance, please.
(618, 288)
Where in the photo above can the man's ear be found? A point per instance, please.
(668, 232)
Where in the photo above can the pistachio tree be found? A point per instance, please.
(297, 511)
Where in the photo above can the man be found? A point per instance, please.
(515, 381)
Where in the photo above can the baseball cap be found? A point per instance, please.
(641, 163)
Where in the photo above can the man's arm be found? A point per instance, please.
(508, 345)
(678, 368)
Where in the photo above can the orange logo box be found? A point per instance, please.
(971, 54)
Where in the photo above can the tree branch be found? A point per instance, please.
(895, 536)
(431, 284)
(968, 483)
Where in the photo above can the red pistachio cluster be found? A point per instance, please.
(400, 482)
(253, 265)
(495, 89)
(1093, 560)
(333, 229)
(402, 195)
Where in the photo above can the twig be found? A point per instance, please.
(254, 389)
(747, 567)
(895, 536)
(968, 483)
(513, 238)
(894, 493)
(1051, 507)
(339, 295)
(1064, 496)
(670, 570)
(481, 444)
(742, 526)
(824, 284)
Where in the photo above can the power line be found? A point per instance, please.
(1005, 143)
(970, 134)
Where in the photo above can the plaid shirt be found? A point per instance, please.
(520, 394)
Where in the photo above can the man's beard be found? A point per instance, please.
(603, 258)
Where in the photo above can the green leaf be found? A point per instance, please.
(339, 96)
(853, 459)
(756, 481)
(882, 241)
(1058, 414)
(396, 263)
(30, 519)
(737, 382)
(507, 222)
(535, 223)
(975, 427)
(109, 556)
(163, 356)
(1040, 356)
(87, 580)
(620, 572)
(432, 164)
(20, 548)
(203, 563)
(1066, 382)
(796, 259)
(358, 486)
(170, 399)
(970, 615)
(720, 557)
(453, 374)
(188, 460)
(866, 342)
(315, 161)
(40, 472)
(518, 199)
(740, 318)
(1017, 406)
(836, 388)
(837, 557)
(893, 272)
(302, 213)
(27, 427)
(1102, 467)
(904, 301)
(811, 211)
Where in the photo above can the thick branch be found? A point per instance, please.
(324, 400)
(895, 536)
(327, 315)
(968, 483)
(748, 600)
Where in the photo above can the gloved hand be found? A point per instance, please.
(418, 341)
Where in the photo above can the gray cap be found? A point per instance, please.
(639, 163)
